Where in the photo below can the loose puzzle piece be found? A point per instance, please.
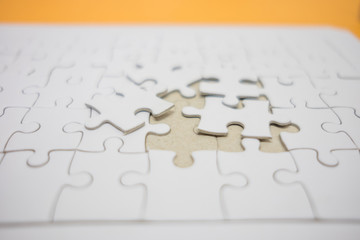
(173, 78)
(350, 124)
(59, 130)
(119, 110)
(106, 198)
(262, 197)
(175, 193)
(254, 117)
(93, 140)
(29, 194)
(11, 122)
(311, 134)
(334, 191)
(301, 88)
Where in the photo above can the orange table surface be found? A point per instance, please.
(338, 13)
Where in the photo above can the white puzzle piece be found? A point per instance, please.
(62, 85)
(262, 197)
(255, 117)
(350, 124)
(119, 109)
(59, 130)
(92, 140)
(29, 194)
(173, 78)
(280, 94)
(230, 84)
(333, 191)
(105, 198)
(11, 122)
(311, 134)
(347, 93)
(175, 193)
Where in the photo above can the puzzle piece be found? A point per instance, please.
(105, 198)
(254, 117)
(301, 88)
(311, 134)
(349, 124)
(120, 110)
(29, 194)
(11, 122)
(59, 130)
(230, 85)
(63, 85)
(175, 193)
(12, 94)
(333, 191)
(262, 197)
(172, 77)
(93, 140)
(347, 93)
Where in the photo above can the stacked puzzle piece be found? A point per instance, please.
(76, 106)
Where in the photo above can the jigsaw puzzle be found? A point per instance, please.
(128, 124)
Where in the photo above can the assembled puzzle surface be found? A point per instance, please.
(183, 123)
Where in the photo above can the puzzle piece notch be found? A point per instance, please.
(63, 124)
(311, 134)
(349, 124)
(197, 196)
(106, 198)
(35, 191)
(254, 117)
(335, 194)
(262, 197)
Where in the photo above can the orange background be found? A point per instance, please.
(340, 13)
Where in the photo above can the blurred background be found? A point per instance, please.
(339, 13)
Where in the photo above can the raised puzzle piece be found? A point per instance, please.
(254, 117)
(59, 130)
(333, 191)
(29, 194)
(105, 198)
(175, 193)
(93, 140)
(119, 109)
(311, 134)
(262, 197)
